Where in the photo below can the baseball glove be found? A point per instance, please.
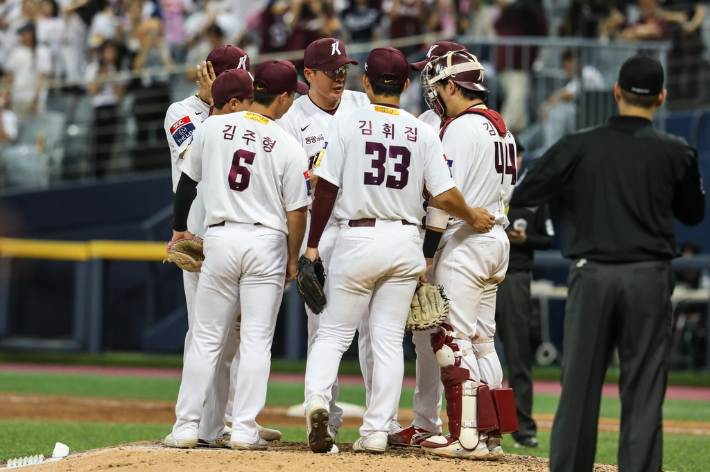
(429, 308)
(310, 281)
(186, 253)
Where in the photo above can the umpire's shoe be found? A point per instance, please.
(319, 438)
(170, 441)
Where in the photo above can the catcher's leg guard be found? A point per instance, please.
(462, 402)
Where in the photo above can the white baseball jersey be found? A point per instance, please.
(253, 171)
(309, 124)
(181, 121)
(381, 157)
(432, 119)
(483, 165)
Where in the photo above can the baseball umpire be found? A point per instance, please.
(617, 189)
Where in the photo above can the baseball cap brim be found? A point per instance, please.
(336, 63)
(418, 66)
(301, 88)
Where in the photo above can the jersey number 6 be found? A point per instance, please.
(240, 171)
(378, 164)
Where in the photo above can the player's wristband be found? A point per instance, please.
(431, 242)
(436, 218)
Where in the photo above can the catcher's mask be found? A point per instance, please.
(461, 67)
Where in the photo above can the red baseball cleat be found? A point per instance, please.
(410, 437)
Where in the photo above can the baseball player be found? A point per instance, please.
(481, 154)
(256, 193)
(379, 158)
(428, 390)
(326, 69)
(181, 121)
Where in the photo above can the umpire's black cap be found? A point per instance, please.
(642, 75)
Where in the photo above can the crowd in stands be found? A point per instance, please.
(139, 43)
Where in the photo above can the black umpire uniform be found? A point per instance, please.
(617, 189)
(514, 307)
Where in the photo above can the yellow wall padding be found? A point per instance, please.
(82, 250)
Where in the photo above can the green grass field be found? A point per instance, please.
(21, 438)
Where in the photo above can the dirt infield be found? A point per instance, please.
(101, 410)
(152, 456)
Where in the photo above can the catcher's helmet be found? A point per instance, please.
(461, 67)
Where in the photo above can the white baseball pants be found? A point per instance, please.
(470, 267)
(243, 264)
(325, 250)
(376, 268)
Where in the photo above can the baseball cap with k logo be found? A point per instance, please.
(326, 54)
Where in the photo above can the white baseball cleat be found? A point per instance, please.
(268, 434)
(319, 437)
(242, 446)
(444, 446)
(170, 441)
(374, 442)
(394, 427)
(495, 451)
(334, 434)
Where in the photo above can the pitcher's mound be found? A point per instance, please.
(287, 456)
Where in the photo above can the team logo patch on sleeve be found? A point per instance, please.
(182, 130)
(307, 176)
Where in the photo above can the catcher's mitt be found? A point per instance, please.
(310, 280)
(429, 309)
(186, 253)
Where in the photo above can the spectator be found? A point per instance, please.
(559, 112)
(520, 18)
(105, 101)
(361, 23)
(213, 37)
(651, 26)
(583, 18)
(274, 29)
(686, 65)
(174, 12)
(50, 27)
(29, 65)
(484, 14)
(406, 19)
(8, 121)
(152, 97)
(312, 20)
(104, 26)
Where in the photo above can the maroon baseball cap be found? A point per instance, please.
(228, 57)
(326, 54)
(437, 49)
(277, 77)
(384, 63)
(233, 83)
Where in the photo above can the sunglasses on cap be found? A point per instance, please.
(342, 70)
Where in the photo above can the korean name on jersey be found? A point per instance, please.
(253, 171)
(381, 157)
(309, 124)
